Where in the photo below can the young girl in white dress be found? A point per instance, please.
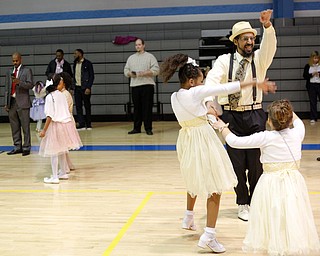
(64, 87)
(204, 163)
(59, 134)
(37, 109)
(281, 220)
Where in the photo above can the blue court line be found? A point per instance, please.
(139, 147)
(135, 12)
(150, 12)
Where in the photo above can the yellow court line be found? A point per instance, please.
(127, 225)
(109, 191)
(89, 191)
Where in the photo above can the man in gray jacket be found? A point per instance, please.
(17, 103)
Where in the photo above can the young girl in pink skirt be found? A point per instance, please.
(59, 134)
(64, 88)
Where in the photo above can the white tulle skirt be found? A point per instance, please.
(59, 139)
(204, 162)
(281, 220)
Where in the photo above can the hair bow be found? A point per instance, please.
(48, 83)
(192, 61)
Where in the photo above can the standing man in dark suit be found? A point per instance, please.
(17, 103)
(83, 79)
(58, 65)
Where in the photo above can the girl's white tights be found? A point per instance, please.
(64, 168)
(54, 166)
(59, 160)
(70, 164)
(39, 124)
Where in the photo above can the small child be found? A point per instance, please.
(37, 109)
(64, 87)
(204, 163)
(59, 134)
(281, 220)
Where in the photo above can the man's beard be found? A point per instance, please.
(77, 59)
(244, 53)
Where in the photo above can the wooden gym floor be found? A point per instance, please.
(126, 197)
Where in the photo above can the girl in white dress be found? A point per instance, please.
(64, 86)
(281, 220)
(204, 163)
(59, 134)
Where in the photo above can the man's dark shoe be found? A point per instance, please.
(318, 158)
(14, 151)
(25, 152)
(149, 132)
(134, 131)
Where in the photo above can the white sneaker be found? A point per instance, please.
(63, 176)
(51, 180)
(243, 212)
(211, 242)
(312, 122)
(188, 223)
(89, 128)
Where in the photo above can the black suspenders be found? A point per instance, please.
(254, 75)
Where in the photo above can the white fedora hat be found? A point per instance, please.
(240, 28)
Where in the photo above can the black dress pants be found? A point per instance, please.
(314, 96)
(82, 99)
(142, 98)
(246, 162)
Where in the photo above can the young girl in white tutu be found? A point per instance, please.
(59, 134)
(37, 109)
(204, 163)
(64, 87)
(281, 220)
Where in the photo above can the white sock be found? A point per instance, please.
(189, 213)
(210, 231)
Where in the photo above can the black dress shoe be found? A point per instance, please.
(134, 131)
(14, 151)
(25, 152)
(149, 132)
(318, 158)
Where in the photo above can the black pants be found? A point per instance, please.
(244, 124)
(314, 95)
(142, 97)
(81, 100)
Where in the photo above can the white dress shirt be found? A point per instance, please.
(262, 58)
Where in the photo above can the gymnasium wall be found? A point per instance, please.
(37, 28)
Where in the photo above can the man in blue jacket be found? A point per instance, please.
(83, 80)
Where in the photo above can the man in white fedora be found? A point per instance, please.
(243, 111)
